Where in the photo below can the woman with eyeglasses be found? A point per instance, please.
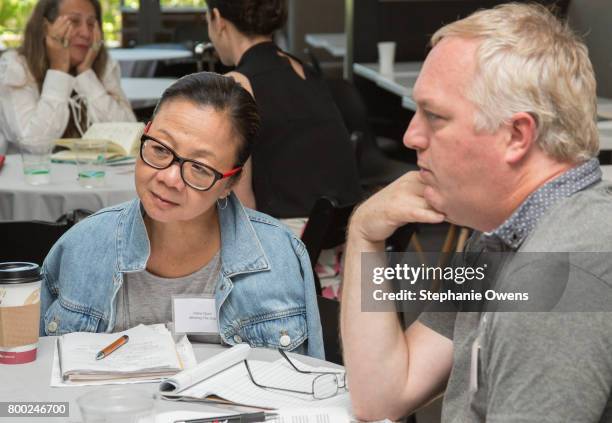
(187, 235)
(61, 79)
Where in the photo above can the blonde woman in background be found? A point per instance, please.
(61, 79)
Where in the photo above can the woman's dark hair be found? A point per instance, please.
(252, 17)
(224, 95)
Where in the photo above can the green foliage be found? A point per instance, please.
(13, 17)
(111, 19)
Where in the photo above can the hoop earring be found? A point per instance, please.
(222, 204)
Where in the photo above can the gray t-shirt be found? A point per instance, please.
(549, 366)
(146, 298)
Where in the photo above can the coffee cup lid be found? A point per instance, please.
(19, 272)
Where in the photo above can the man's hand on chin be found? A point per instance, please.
(397, 204)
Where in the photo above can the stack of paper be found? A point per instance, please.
(149, 355)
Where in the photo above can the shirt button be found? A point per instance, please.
(285, 340)
(237, 339)
(222, 287)
(52, 326)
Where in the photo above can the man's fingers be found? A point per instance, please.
(413, 209)
(428, 216)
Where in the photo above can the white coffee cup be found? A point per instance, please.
(19, 312)
(386, 57)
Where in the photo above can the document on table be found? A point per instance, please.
(149, 355)
(235, 385)
(296, 415)
(225, 376)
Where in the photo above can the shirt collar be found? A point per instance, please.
(521, 223)
(241, 250)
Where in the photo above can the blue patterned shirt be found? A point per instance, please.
(522, 222)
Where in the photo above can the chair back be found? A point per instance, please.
(329, 310)
(314, 62)
(326, 228)
(31, 240)
(351, 105)
(375, 168)
(399, 240)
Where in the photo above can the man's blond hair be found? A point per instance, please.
(529, 61)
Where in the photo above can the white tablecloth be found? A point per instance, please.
(30, 382)
(142, 61)
(334, 43)
(21, 201)
(400, 82)
(144, 92)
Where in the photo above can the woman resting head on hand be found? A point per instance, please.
(187, 234)
(61, 80)
(65, 35)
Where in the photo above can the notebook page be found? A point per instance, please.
(205, 369)
(314, 415)
(124, 134)
(235, 385)
(147, 349)
(294, 415)
(183, 349)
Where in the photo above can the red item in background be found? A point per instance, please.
(1, 160)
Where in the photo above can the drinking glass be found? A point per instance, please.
(91, 161)
(117, 404)
(36, 158)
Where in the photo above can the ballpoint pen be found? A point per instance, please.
(235, 418)
(112, 347)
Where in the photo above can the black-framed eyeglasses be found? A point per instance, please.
(197, 175)
(324, 385)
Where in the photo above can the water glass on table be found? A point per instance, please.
(36, 158)
(117, 404)
(91, 161)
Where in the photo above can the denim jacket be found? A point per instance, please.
(265, 289)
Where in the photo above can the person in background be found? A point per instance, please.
(303, 150)
(506, 137)
(61, 79)
(187, 234)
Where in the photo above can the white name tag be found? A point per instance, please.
(194, 315)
